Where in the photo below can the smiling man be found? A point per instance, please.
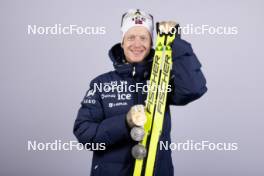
(136, 44)
(106, 117)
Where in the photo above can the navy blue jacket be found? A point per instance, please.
(102, 116)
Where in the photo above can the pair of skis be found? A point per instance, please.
(145, 151)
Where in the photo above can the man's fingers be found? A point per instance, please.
(166, 26)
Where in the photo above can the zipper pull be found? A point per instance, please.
(134, 71)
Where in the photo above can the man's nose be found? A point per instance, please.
(137, 42)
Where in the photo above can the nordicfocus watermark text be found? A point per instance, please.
(204, 29)
(191, 145)
(123, 86)
(59, 29)
(59, 145)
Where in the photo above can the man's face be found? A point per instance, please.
(136, 44)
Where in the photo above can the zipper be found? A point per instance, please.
(134, 83)
(134, 71)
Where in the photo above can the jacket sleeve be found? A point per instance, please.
(91, 126)
(187, 80)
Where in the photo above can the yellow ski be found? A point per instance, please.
(156, 103)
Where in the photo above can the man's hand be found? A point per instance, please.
(167, 26)
(136, 116)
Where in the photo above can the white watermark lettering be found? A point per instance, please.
(204, 29)
(59, 29)
(59, 145)
(204, 145)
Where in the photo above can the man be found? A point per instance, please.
(103, 118)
